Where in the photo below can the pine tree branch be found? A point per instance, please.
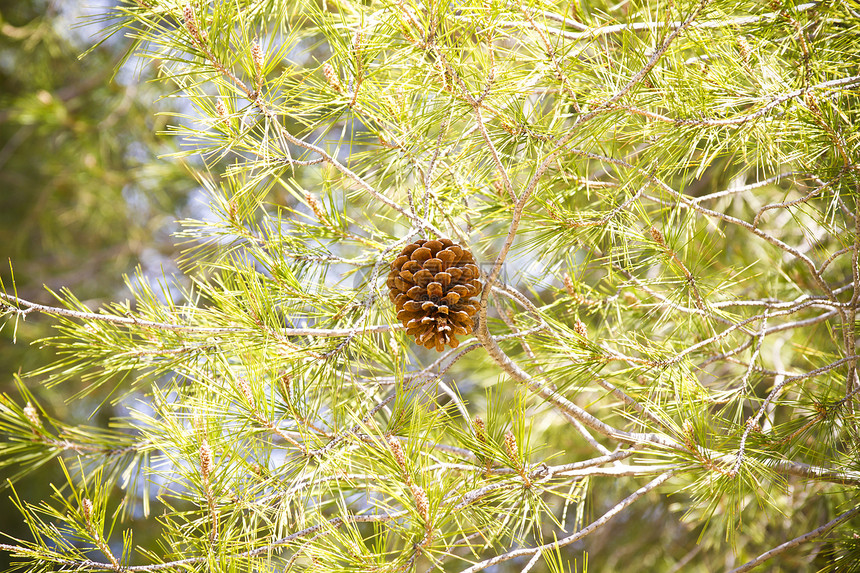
(630, 401)
(852, 385)
(785, 204)
(831, 475)
(591, 528)
(748, 187)
(801, 539)
(560, 146)
(722, 334)
(418, 381)
(683, 200)
(479, 120)
(564, 404)
(88, 565)
(583, 431)
(15, 303)
(265, 109)
(843, 83)
(687, 202)
(594, 33)
(756, 418)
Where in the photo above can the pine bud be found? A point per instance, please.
(580, 329)
(499, 187)
(657, 236)
(745, 49)
(245, 388)
(316, 206)
(32, 415)
(221, 109)
(400, 98)
(257, 57)
(422, 504)
(811, 103)
(397, 451)
(87, 509)
(568, 285)
(287, 387)
(511, 447)
(357, 40)
(205, 460)
(689, 435)
(189, 18)
(332, 77)
(191, 25)
(480, 429)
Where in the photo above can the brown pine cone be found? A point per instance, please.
(432, 284)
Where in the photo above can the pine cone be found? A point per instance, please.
(432, 284)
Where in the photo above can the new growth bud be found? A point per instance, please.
(689, 435)
(568, 285)
(480, 429)
(315, 205)
(205, 460)
(32, 415)
(422, 504)
(357, 40)
(511, 448)
(87, 509)
(657, 236)
(191, 25)
(687, 426)
(190, 20)
(499, 187)
(287, 387)
(221, 109)
(332, 77)
(396, 451)
(257, 57)
(245, 389)
(745, 49)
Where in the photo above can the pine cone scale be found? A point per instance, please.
(431, 284)
(421, 254)
(422, 278)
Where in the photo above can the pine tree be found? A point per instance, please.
(661, 200)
